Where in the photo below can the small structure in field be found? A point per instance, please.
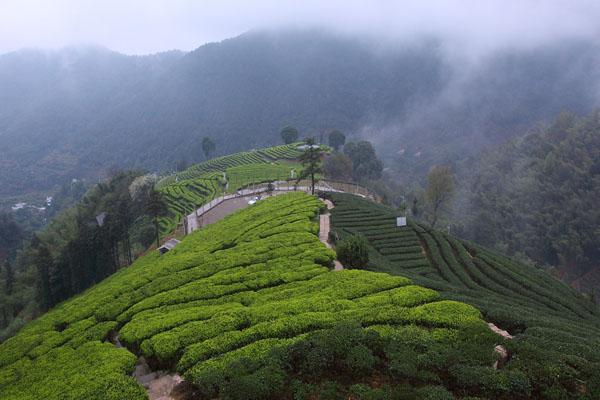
(168, 245)
(400, 221)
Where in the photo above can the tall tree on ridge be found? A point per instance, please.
(439, 191)
(311, 162)
(336, 139)
(208, 147)
(42, 260)
(289, 134)
(365, 164)
(156, 207)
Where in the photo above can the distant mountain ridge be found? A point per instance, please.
(78, 111)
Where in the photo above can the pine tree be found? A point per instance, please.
(311, 163)
(156, 207)
(42, 260)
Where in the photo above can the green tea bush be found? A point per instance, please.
(553, 325)
(353, 252)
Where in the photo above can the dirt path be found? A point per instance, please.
(499, 331)
(324, 228)
(500, 349)
(158, 384)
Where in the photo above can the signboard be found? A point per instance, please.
(400, 221)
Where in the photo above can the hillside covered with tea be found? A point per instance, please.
(250, 307)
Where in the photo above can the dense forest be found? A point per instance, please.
(537, 196)
(73, 113)
(80, 246)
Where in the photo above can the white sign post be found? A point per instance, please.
(400, 221)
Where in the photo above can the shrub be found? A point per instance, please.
(434, 393)
(360, 361)
(353, 252)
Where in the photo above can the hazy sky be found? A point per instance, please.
(140, 27)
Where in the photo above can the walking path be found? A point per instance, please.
(324, 228)
(196, 220)
(500, 349)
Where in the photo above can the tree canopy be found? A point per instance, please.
(439, 191)
(537, 196)
(365, 164)
(208, 147)
(336, 139)
(338, 166)
(311, 162)
(289, 134)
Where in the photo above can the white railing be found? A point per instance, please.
(190, 222)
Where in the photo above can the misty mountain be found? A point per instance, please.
(78, 111)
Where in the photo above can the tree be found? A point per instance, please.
(43, 263)
(182, 164)
(439, 191)
(9, 277)
(353, 252)
(208, 147)
(338, 166)
(156, 207)
(311, 163)
(289, 134)
(336, 139)
(365, 164)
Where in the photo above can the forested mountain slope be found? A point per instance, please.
(78, 111)
(556, 330)
(537, 197)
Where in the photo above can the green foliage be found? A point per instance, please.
(208, 147)
(186, 191)
(311, 162)
(353, 251)
(336, 139)
(552, 324)
(439, 191)
(535, 197)
(11, 236)
(346, 359)
(338, 166)
(220, 305)
(92, 371)
(289, 134)
(365, 164)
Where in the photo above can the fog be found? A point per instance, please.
(150, 26)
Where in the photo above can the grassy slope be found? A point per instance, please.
(550, 320)
(254, 281)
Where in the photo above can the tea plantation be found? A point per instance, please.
(557, 331)
(187, 190)
(232, 302)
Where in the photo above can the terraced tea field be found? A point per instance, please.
(256, 281)
(537, 308)
(185, 191)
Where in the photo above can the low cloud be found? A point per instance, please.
(149, 26)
